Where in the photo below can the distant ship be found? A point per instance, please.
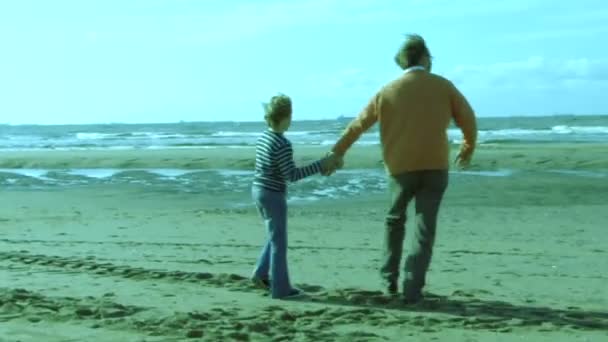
(344, 117)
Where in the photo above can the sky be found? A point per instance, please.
(102, 61)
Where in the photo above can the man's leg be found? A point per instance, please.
(402, 189)
(428, 200)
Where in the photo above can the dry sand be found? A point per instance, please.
(521, 258)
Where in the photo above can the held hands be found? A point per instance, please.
(331, 163)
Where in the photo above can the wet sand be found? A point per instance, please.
(488, 157)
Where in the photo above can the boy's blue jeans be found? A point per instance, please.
(272, 206)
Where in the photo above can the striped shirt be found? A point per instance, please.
(274, 164)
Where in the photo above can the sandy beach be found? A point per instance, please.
(518, 258)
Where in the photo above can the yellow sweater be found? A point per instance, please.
(414, 112)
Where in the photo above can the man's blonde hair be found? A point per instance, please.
(411, 51)
(277, 109)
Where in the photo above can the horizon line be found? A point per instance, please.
(341, 117)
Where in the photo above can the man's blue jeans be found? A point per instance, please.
(272, 206)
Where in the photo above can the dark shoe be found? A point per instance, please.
(392, 288)
(261, 283)
(412, 300)
(294, 294)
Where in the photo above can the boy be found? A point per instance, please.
(274, 167)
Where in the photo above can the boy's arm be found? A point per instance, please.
(366, 119)
(288, 167)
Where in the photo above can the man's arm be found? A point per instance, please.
(465, 119)
(366, 119)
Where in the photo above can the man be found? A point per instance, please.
(414, 112)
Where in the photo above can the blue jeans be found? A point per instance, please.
(272, 206)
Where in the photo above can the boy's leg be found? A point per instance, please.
(262, 266)
(402, 189)
(275, 205)
(428, 201)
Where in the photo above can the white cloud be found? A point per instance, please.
(534, 72)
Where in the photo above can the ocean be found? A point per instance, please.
(553, 129)
(230, 135)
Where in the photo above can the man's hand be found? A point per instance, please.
(331, 163)
(463, 161)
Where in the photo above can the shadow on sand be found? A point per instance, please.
(465, 310)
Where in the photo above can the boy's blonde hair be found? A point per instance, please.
(277, 109)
